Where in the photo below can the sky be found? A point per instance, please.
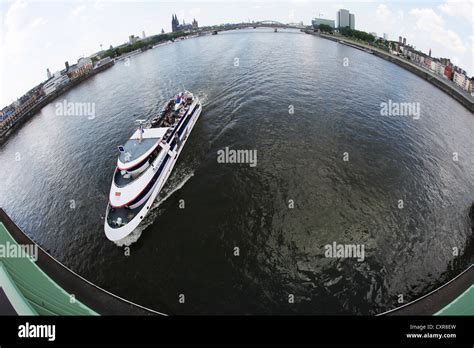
(38, 34)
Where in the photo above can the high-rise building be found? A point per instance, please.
(318, 21)
(48, 73)
(352, 24)
(343, 18)
(404, 41)
(400, 40)
(143, 34)
(385, 36)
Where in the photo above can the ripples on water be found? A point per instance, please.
(190, 251)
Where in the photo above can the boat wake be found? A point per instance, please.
(131, 238)
(175, 183)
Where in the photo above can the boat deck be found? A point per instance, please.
(125, 214)
(135, 148)
(121, 181)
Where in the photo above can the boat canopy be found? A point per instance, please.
(150, 133)
(136, 150)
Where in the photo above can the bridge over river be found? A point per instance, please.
(259, 24)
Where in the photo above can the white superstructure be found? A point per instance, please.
(57, 80)
(145, 163)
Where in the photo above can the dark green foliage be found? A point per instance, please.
(357, 34)
(142, 44)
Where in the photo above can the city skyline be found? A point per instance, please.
(39, 35)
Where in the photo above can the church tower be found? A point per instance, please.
(174, 23)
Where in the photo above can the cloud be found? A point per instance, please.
(385, 15)
(291, 15)
(78, 10)
(38, 21)
(194, 12)
(14, 14)
(456, 8)
(15, 32)
(17, 39)
(433, 24)
(382, 13)
(401, 15)
(99, 4)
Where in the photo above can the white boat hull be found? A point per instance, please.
(118, 233)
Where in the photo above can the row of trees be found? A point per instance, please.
(357, 34)
(142, 44)
(347, 31)
(325, 28)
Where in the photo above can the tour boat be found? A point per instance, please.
(145, 163)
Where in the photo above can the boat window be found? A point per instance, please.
(135, 149)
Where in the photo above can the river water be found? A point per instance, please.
(330, 168)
